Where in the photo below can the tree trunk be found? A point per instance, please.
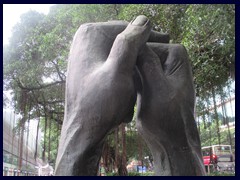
(216, 115)
(21, 146)
(27, 142)
(106, 156)
(124, 150)
(204, 120)
(23, 102)
(140, 150)
(49, 140)
(116, 148)
(122, 170)
(203, 113)
(36, 145)
(59, 133)
(209, 121)
(229, 94)
(198, 125)
(223, 112)
(29, 117)
(13, 135)
(45, 139)
(226, 119)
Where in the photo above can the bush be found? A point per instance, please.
(147, 174)
(112, 174)
(222, 174)
(132, 174)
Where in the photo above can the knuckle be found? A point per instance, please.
(87, 27)
(123, 37)
(180, 51)
(179, 47)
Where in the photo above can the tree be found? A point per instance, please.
(209, 37)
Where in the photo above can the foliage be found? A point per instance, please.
(207, 31)
(222, 174)
(133, 174)
(53, 135)
(164, 18)
(112, 174)
(208, 135)
(35, 59)
(136, 149)
(209, 37)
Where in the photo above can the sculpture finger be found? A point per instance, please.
(159, 37)
(93, 41)
(127, 45)
(151, 71)
(176, 66)
(116, 27)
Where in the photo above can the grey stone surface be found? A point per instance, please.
(165, 110)
(101, 90)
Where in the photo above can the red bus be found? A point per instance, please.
(220, 156)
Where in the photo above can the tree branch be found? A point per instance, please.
(58, 71)
(41, 86)
(50, 102)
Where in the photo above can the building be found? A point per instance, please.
(12, 146)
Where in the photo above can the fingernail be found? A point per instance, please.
(140, 20)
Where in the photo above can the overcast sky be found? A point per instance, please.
(12, 13)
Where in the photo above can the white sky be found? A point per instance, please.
(11, 16)
(12, 13)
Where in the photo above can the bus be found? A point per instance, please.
(220, 156)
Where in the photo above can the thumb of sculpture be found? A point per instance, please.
(127, 44)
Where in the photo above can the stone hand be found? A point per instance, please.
(165, 110)
(100, 90)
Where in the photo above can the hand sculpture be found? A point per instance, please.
(100, 90)
(165, 114)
